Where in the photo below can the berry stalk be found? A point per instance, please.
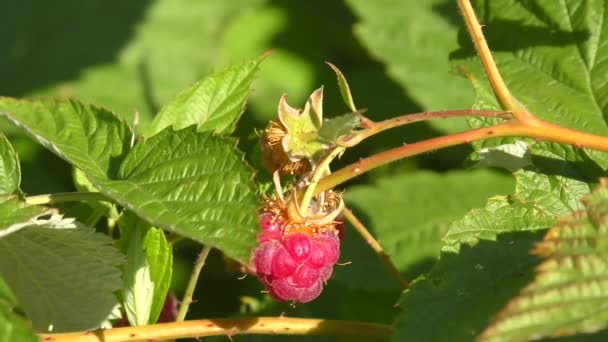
(196, 271)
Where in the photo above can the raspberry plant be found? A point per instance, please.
(526, 265)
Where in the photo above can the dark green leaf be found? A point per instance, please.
(413, 38)
(569, 292)
(409, 214)
(213, 104)
(54, 266)
(457, 300)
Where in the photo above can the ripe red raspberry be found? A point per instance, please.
(294, 266)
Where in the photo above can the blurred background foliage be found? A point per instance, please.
(133, 56)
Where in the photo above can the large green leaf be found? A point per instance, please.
(147, 274)
(12, 327)
(538, 200)
(552, 57)
(152, 50)
(15, 215)
(193, 184)
(413, 38)
(555, 179)
(213, 104)
(54, 266)
(10, 171)
(409, 214)
(89, 137)
(458, 298)
(569, 292)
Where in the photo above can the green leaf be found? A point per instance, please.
(15, 215)
(91, 138)
(550, 54)
(213, 104)
(413, 39)
(147, 274)
(552, 186)
(14, 328)
(54, 266)
(344, 88)
(538, 200)
(458, 298)
(152, 50)
(334, 128)
(10, 171)
(194, 184)
(568, 294)
(409, 214)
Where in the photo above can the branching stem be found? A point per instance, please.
(196, 271)
(378, 127)
(227, 327)
(537, 129)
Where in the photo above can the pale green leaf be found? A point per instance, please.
(569, 294)
(15, 215)
(193, 184)
(551, 55)
(334, 128)
(147, 274)
(213, 104)
(14, 328)
(54, 266)
(10, 171)
(88, 137)
(409, 214)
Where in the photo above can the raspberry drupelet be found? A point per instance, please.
(296, 252)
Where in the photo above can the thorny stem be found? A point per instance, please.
(319, 171)
(375, 245)
(539, 130)
(377, 127)
(196, 271)
(523, 124)
(228, 327)
(66, 197)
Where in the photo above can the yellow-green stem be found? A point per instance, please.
(196, 271)
(375, 246)
(66, 197)
(228, 327)
(317, 173)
